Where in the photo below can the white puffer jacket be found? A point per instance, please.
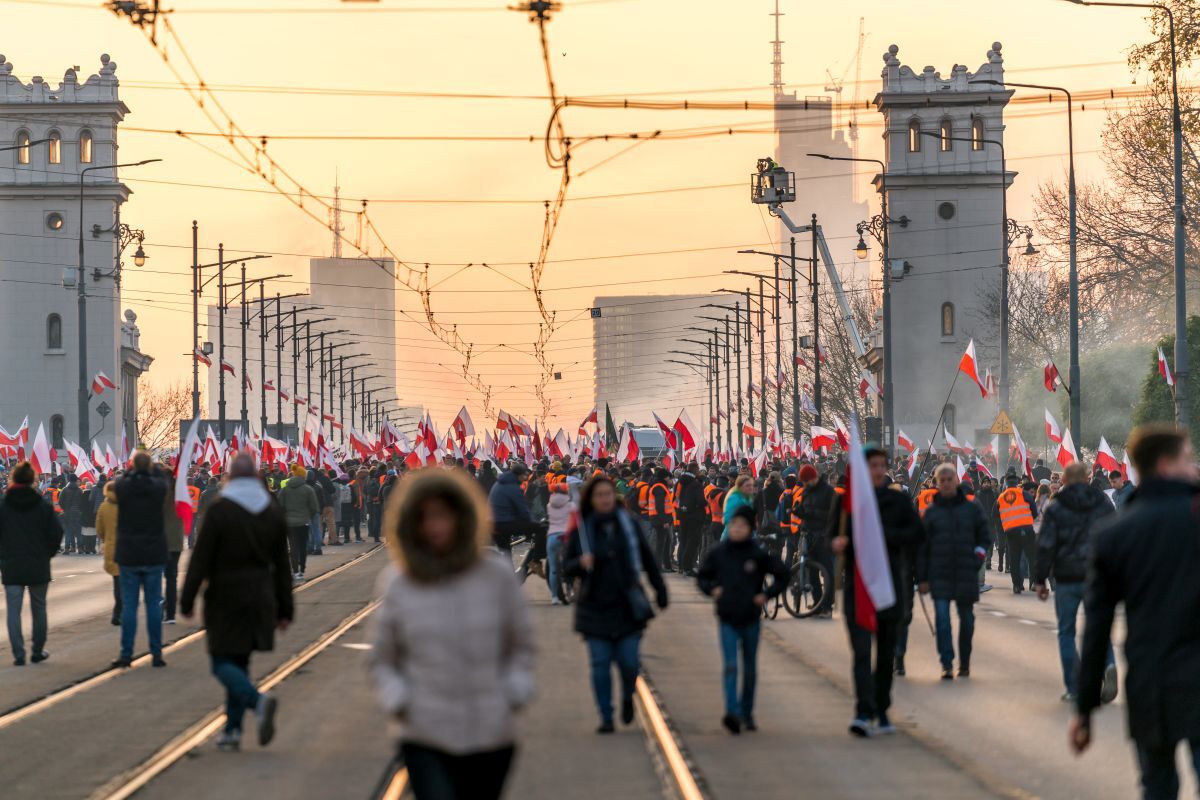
(559, 510)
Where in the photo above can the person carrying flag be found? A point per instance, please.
(902, 534)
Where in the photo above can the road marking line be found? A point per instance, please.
(396, 788)
(1027, 622)
(54, 698)
(998, 614)
(685, 782)
(192, 738)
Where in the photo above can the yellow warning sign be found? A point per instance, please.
(1003, 425)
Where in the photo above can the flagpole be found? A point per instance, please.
(941, 420)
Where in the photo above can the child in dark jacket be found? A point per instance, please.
(734, 574)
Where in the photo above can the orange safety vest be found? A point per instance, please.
(924, 500)
(643, 495)
(675, 503)
(794, 518)
(194, 493)
(1014, 510)
(668, 504)
(54, 500)
(716, 504)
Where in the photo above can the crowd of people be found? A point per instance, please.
(454, 648)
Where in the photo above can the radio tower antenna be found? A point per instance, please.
(335, 217)
(777, 55)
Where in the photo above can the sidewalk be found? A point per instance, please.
(802, 746)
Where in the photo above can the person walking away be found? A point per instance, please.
(903, 534)
(70, 500)
(956, 539)
(314, 524)
(560, 510)
(106, 531)
(374, 505)
(1063, 549)
(659, 504)
(510, 511)
(817, 507)
(345, 494)
(1017, 514)
(141, 555)
(30, 535)
(329, 509)
(209, 495)
(173, 527)
(609, 551)
(986, 499)
(298, 501)
(241, 562)
(742, 494)
(1147, 557)
(735, 575)
(450, 682)
(693, 517)
(93, 498)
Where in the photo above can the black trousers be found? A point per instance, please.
(171, 579)
(298, 545)
(1021, 541)
(872, 685)
(437, 775)
(375, 521)
(690, 533)
(663, 537)
(116, 597)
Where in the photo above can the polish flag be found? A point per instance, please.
(462, 425)
(1053, 432)
(503, 421)
(758, 463)
(43, 463)
(979, 465)
(300, 401)
(958, 465)
(1165, 370)
(753, 389)
(912, 463)
(822, 438)
(753, 433)
(969, 366)
(183, 500)
(269, 386)
(1066, 450)
(283, 394)
(1050, 377)
(989, 384)
(868, 384)
(98, 456)
(594, 416)
(247, 383)
(873, 587)
(627, 446)
(905, 442)
(1127, 469)
(1022, 451)
(800, 362)
(562, 442)
(952, 443)
(667, 431)
(843, 433)
(822, 354)
(1105, 457)
(668, 461)
(111, 461)
(227, 367)
(199, 355)
(689, 434)
(102, 382)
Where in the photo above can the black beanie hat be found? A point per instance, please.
(746, 513)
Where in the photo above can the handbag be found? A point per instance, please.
(635, 595)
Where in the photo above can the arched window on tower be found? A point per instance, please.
(977, 134)
(947, 319)
(54, 337)
(56, 432)
(914, 136)
(22, 147)
(85, 147)
(54, 147)
(945, 132)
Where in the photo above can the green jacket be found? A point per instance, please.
(298, 501)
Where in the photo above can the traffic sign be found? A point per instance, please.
(1003, 425)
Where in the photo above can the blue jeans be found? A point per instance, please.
(1160, 779)
(554, 547)
(602, 653)
(1068, 596)
(314, 534)
(945, 638)
(747, 637)
(14, 597)
(234, 674)
(149, 580)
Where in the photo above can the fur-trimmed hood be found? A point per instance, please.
(402, 520)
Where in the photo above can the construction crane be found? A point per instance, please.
(862, 38)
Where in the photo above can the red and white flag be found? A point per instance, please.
(867, 384)
(912, 463)
(593, 416)
(247, 383)
(39, 455)
(752, 432)
(952, 443)
(1053, 431)
(1022, 451)
(227, 367)
(1164, 369)
(958, 465)
(1066, 450)
(627, 446)
(905, 442)
(1105, 458)
(969, 366)
(758, 463)
(667, 431)
(822, 438)
(873, 587)
(269, 386)
(989, 384)
(1050, 377)
(753, 389)
(689, 434)
(199, 355)
(462, 425)
(102, 382)
(183, 499)
(843, 433)
(1127, 469)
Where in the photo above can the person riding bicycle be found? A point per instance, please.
(561, 509)
(815, 509)
(510, 511)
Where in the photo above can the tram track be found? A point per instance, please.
(36, 706)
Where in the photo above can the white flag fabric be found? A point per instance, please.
(870, 550)
(41, 452)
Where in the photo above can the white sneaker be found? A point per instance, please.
(554, 601)
(229, 741)
(264, 711)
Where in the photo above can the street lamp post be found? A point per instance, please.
(737, 310)
(1181, 344)
(1073, 266)
(84, 395)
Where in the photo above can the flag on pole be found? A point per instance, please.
(1050, 377)
(1164, 369)
(40, 454)
(969, 366)
(200, 356)
(102, 382)
(752, 432)
(689, 434)
(593, 416)
(1053, 432)
(867, 384)
(822, 438)
(873, 587)
(627, 446)
(183, 499)
(1127, 469)
(958, 465)
(1105, 458)
(462, 425)
(667, 432)
(905, 442)
(227, 367)
(1066, 450)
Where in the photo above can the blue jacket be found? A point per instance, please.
(507, 500)
(734, 501)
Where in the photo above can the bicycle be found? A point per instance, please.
(808, 586)
(772, 543)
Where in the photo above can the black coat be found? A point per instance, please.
(602, 609)
(739, 570)
(1148, 556)
(30, 534)
(242, 560)
(986, 499)
(903, 534)
(1064, 540)
(816, 505)
(948, 561)
(692, 508)
(141, 536)
(70, 500)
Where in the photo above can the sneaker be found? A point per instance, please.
(554, 601)
(122, 663)
(964, 671)
(169, 621)
(1067, 697)
(18, 662)
(749, 724)
(157, 661)
(899, 666)
(1108, 689)
(264, 712)
(627, 710)
(884, 726)
(732, 724)
(947, 674)
(229, 741)
(987, 587)
(38, 658)
(116, 620)
(606, 727)
(860, 727)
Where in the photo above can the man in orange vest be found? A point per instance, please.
(659, 508)
(1017, 513)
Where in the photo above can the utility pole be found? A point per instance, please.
(221, 337)
(795, 349)
(750, 366)
(245, 321)
(737, 357)
(778, 353)
(195, 322)
(816, 307)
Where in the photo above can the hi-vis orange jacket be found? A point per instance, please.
(1014, 509)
